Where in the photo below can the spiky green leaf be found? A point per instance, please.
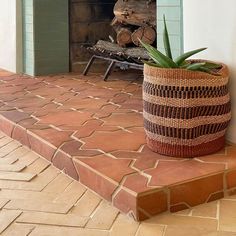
(159, 57)
(151, 63)
(166, 40)
(195, 66)
(185, 64)
(209, 71)
(212, 65)
(179, 60)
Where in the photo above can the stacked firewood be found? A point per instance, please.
(134, 20)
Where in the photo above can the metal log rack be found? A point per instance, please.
(115, 59)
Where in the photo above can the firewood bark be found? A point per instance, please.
(115, 49)
(145, 33)
(136, 12)
(123, 33)
(123, 37)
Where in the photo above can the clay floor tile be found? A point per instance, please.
(227, 157)
(192, 231)
(137, 183)
(70, 118)
(20, 134)
(65, 163)
(152, 203)
(132, 88)
(6, 108)
(9, 98)
(145, 158)
(109, 108)
(63, 98)
(108, 128)
(68, 83)
(216, 196)
(227, 216)
(150, 230)
(49, 91)
(48, 79)
(34, 126)
(125, 120)
(83, 87)
(87, 153)
(106, 111)
(6, 126)
(94, 181)
(101, 93)
(179, 207)
(145, 162)
(33, 87)
(117, 140)
(72, 147)
(120, 98)
(231, 179)
(113, 84)
(9, 90)
(114, 169)
(126, 202)
(41, 147)
(174, 172)
(53, 136)
(14, 79)
(146, 151)
(124, 225)
(88, 128)
(196, 192)
(44, 112)
(85, 104)
(184, 221)
(15, 116)
(50, 107)
(206, 210)
(29, 102)
(133, 104)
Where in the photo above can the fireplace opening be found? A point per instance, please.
(111, 30)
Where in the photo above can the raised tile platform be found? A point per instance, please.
(93, 131)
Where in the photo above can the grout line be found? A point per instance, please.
(218, 215)
(164, 231)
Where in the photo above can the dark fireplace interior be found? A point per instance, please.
(89, 22)
(111, 29)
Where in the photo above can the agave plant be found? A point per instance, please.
(158, 59)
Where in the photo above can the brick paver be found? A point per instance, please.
(52, 203)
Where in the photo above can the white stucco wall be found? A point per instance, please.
(212, 24)
(11, 35)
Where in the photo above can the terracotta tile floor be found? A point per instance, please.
(36, 199)
(93, 131)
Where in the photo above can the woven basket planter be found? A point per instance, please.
(186, 113)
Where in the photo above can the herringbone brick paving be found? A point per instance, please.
(36, 199)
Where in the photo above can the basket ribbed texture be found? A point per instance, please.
(186, 113)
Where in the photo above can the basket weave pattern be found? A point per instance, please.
(186, 113)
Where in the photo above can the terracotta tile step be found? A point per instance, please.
(102, 145)
(170, 185)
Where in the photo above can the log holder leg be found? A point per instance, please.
(112, 64)
(91, 61)
(109, 70)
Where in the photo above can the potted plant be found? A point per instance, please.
(186, 103)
